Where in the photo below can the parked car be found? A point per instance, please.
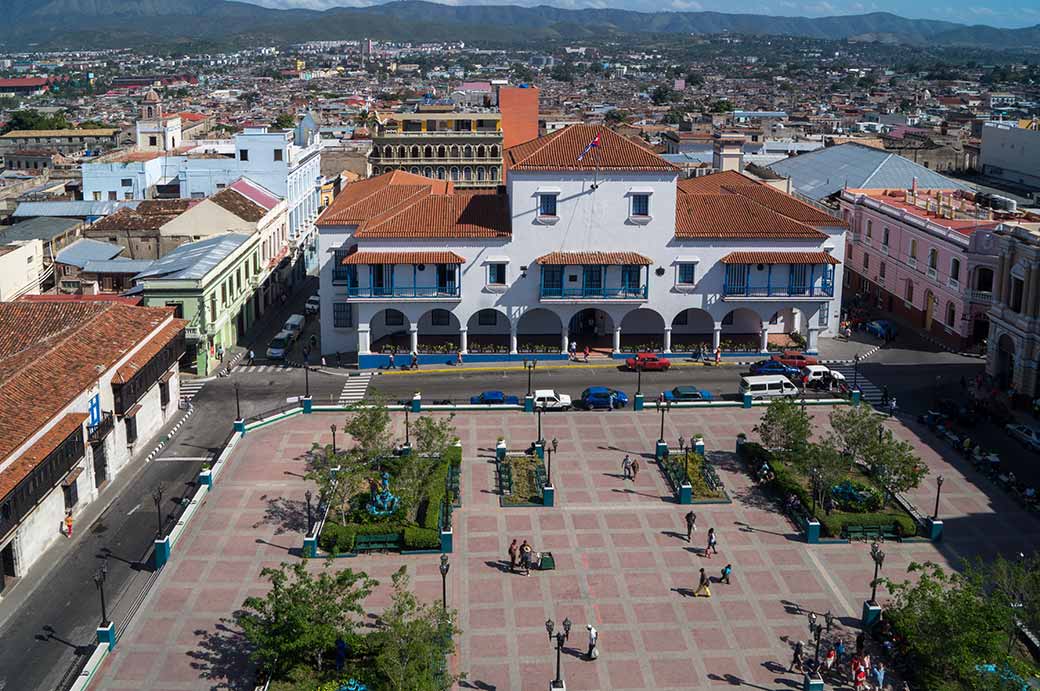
(774, 367)
(550, 400)
(494, 398)
(820, 377)
(1028, 436)
(682, 394)
(648, 362)
(794, 358)
(882, 328)
(280, 345)
(602, 397)
(313, 304)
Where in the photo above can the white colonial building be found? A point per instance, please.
(612, 251)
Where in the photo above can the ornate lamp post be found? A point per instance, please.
(815, 477)
(539, 410)
(310, 516)
(855, 371)
(662, 406)
(816, 630)
(157, 496)
(99, 580)
(686, 457)
(639, 377)
(938, 491)
(306, 380)
(553, 445)
(561, 638)
(332, 428)
(879, 557)
(529, 365)
(407, 427)
(445, 566)
(238, 404)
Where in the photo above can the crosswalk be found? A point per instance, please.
(871, 393)
(258, 369)
(190, 387)
(354, 389)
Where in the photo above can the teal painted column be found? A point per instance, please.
(747, 400)
(539, 451)
(685, 493)
(528, 404)
(161, 552)
(310, 546)
(240, 427)
(637, 404)
(935, 529)
(661, 450)
(447, 541)
(107, 634)
(871, 613)
(855, 397)
(698, 445)
(206, 477)
(417, 402)
(812, 532)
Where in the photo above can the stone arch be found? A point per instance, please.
(591, 327)
(388, 151)
(929, 309)
(467, 174)
(415, 151)
(480, 151)
(493, 151)
(402, 152)
(539, 330)
(438, 331)
(642, 330)
(389, 331)
(440, 172)
(467, 151)
(742, 330)
(692, 329)
(428, 151)
(493, 173)
(455, 173)
(480, 173)
(441, 151)
(488, 331)
(1005, 361)
(454, 150)
(428, 172)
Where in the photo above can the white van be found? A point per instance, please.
(294, 324)
(768, 386)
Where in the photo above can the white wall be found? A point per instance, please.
(20, 270)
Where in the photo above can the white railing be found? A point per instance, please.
(984, 297)
(932, 273)
(911, 262)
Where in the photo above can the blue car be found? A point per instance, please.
(682, 394)
(775, 367)
(602, 397)
(494, 398)
(882, 328)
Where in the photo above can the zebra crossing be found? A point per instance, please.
(354, 389)
(189, 388)
(258, 369)
(870, 392)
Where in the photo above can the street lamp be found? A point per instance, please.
(663, 406)
(879, 557)
(99, 580)
(157, 498)
(332, 428)
(310, 516)
(539, 410)
(639, 377)
(529, 365)
(816, 630)
(445, 566)
(686, 457)
(306, 381)
(855, 371)
(407, 428)
(938, 491)
(238, 405)
(548, 474)
(815, 475)
(561, 638)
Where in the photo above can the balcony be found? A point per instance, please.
(480, 132)
(594, 293)
(982, 297)
(768, 291)
(444, 292)
(97, 433)
(911, 262)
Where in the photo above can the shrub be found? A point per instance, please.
(421, 538)
(836, 522)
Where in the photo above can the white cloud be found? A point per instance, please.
(686, 5)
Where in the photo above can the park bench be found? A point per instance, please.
(377, 543)
(505, 478)
(870, 532)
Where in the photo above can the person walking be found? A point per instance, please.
(712, 544)
(68, 524)
(884, 395)
(525, 558)
(892, 407)
(626, 468)
(718, 355)
(415, 360)
(828, 618)
(513, 554)
(796, 658)
(458, 358)
(879, 675)
(573, 350)
(593, 651)
(635, 468)
(812, 620)
(586, 353)
(691, 525)
(252, 357)
(726, 571)
(703, 589)
(390, 361)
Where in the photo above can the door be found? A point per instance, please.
(593, 281)
(6, 564)
(736, 279)
(446, 279)
(552, 281)
(100, 465)
(382, 278)
(797, 282)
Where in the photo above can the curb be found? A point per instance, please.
(850, 361)
(169, 436)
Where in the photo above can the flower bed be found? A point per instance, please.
(521, 478)
(704, 481)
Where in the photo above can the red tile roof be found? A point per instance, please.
(602, 258)
(458, 215)
(35, 454)
(365, 198)
(149, 350)
(779, 258)
(420, 257)
(50, 352)
(560, 150)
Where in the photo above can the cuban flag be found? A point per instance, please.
(593, 144)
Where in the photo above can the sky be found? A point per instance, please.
(1002, 13)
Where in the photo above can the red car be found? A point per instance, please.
(648, 362)
(793, 358)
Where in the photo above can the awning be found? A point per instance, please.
(779, 258)
(418, 257)
(133, 411)
(593, 258)
(496, 259)
(70, 479)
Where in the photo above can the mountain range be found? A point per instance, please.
(111, 23)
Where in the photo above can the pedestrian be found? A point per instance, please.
(691, 524)
(879, 675)
(796, 659)
(726, 571)
(593, 651)
(703, 589)
(513, 554)
(573, 350)
(525, 558)
(635, 468)
(712, 544)
(718, 355)
(586, 353)
(828, 618)
(812, 621)
(892, 407)
(68, 523)
(251, 356)
(390, 360)
(339, 359)
(458, 358)
(884, 395)
(314, 340)
(415, 360)
(626, 468)
(323, 362)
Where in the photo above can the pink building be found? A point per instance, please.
(925, 257)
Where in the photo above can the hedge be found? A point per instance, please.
(422, 538)
(836, 522)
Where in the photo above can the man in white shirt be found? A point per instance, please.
(593, 637)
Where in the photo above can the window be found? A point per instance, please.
(884, 237)
(223, 294)
(440, 318)
(128, 195)
(213, 308)
(881, 270)
(866, 260)
(238, 279)
(97, 196)
(221, 185)
(153, 141)
(71, 492)
(951, 314)
(164, 393)
(909, 290)
(870, 230)
(131, 429)
(933, 259)
(487, 318)
(178, 309)
(278, 154)
(113, 196)
(640, 205)
(394, 318)
(687, 272)
(955, 270)
(913, 249)
(243, 154)
(127, 182)
(547, 205)
(825, 315)
(342, 315)
(496, 274)
(339, 272)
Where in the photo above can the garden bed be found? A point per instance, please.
(704, 481)
(397, 532)
(521, 478)
(879, 510)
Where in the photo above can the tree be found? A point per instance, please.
(662, 95)
(433, 437)
(369, 426)
(721, 106)
(855, 428)
(894, 463)
(92, 125)
(35, 120)
(299, 620)
(414, 641)
(563, 72)
(784, 429)
(614, 116)
(829, 462)
(285, 121)
(694, 79)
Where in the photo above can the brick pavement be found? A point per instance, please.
(622, 562)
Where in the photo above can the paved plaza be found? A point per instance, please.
(622, 561)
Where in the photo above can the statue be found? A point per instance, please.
(353, 685)
(382, 503)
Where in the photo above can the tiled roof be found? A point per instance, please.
(24, 464)
(420, 257)
(230, 200)
(779, 258)
(149, 215)
(256, 193)
(50, 352)
(149, 350)
(21, 134)
(366, 198)
(458, 215)
(560, 150)
(602, 258)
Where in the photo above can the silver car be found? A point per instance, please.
(1028, 436)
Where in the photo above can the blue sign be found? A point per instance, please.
(95, 410)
